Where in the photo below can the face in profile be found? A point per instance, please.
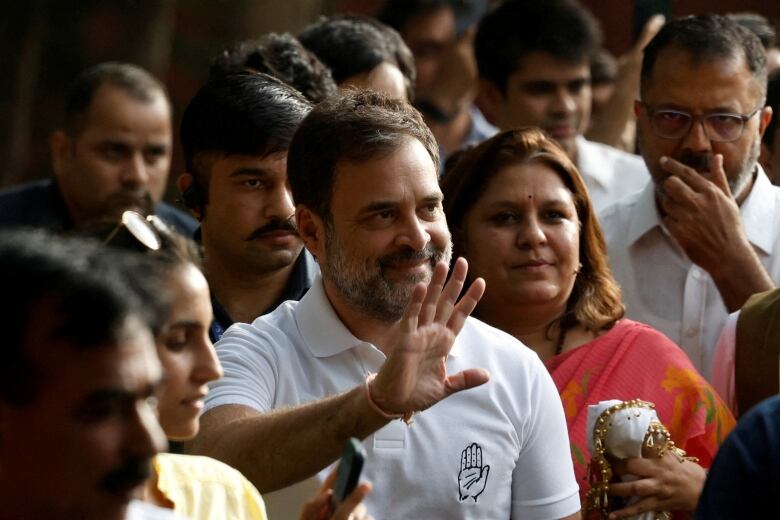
(188, 358)
(523, 237)
(82, 447)
(118, 160)
(387, 232)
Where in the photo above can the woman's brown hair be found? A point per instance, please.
(595, 301)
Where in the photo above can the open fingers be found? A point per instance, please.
(412, 312)
(636, 466)
(466, 305)
(451, 291)
(433, 295)
(466, 379)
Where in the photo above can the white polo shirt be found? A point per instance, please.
(302, 352)
(662, 287)
(610, 174)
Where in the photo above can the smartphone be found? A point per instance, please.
(352, 458)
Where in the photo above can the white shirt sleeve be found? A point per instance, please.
(250, 370)
(723, 362)
(543, 482)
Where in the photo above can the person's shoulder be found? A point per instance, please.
(178, 219)
(482, 341)
(197, 468)
(275, 330)
(17, 201)
(618, 211)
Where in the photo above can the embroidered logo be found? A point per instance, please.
(473, 475)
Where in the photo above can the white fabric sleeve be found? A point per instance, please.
(250, 368)
(723, 362)
(543, 482)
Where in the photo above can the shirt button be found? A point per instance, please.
(697, 274)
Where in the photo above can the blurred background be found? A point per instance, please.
(45, 43)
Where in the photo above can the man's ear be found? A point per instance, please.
(311, 228)
(765, 118)
(60, 145)
(190, 195)
(490, 101)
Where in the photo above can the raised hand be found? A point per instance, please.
(473, 475)
(414, 377)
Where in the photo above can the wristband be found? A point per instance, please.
(405, 417)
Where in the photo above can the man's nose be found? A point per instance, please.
(413, 234)
(696, 139)
(564, 102)
(135, 171)
(280, 204)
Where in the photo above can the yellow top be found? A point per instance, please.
(202, 488)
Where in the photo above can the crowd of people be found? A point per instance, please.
(408, 230)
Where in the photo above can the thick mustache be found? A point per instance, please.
(697, 161)
(407, 255)
(133, 473)
(274, 225)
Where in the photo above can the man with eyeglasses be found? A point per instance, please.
(704, 236)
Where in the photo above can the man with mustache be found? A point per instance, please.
(704, 236)
(235, 133)
(534, 70)
(78, 424)
(112, 154)
(379, 336)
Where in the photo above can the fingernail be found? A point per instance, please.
(663, 160)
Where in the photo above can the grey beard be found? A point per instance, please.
(369, 291)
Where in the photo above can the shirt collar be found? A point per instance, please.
(322, 330)
(758, 212)
(590, 164)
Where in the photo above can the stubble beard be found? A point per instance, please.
(367, 288)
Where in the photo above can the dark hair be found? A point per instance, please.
(251, 114)
(90, 287)
(772, 100)
(595, 301)
(281, 56)
(758, 25)
(515, 28)
(352, 45)
(356, 126)
(706, 37)
(134, 80)
(396, 13)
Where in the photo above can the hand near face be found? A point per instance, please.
(701, 213)
(414, 377)
(665, 484)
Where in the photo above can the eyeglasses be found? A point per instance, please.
(145, 230)
(722, 127)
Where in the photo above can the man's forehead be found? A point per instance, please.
(679, 73)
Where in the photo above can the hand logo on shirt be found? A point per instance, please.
(473, 475)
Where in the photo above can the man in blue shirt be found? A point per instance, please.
(112, 154)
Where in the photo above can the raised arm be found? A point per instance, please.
(282, 447)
